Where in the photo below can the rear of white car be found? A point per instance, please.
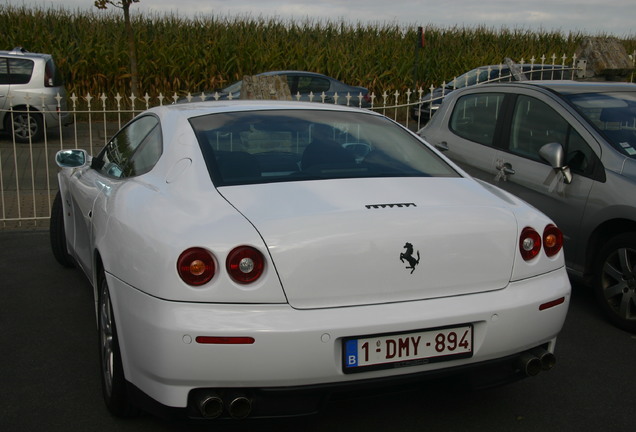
(236, 300)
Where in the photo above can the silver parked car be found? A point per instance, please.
(32, 89)
(569, 149)
(489, 74)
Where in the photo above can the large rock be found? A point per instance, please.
(265, 87)
(606, 58)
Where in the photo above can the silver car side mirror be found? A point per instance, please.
(554, 154)
(71, 158)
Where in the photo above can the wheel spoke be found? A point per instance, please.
(615, 290)
(626, 306)
(624, 260)
(613, 272)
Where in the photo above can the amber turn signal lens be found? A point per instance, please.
(552, 240)
(196, 266)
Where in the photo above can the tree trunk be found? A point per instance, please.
(132, 52)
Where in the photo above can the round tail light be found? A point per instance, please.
(196, 266)
(245, 264)
(529, 243)
(552, 240)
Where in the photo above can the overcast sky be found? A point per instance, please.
(593, 17)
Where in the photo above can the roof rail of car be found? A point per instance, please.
(19, 50)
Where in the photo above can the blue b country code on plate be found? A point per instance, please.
(366, 353)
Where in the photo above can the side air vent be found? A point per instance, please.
(391, 205)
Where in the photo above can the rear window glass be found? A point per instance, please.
(295, 145)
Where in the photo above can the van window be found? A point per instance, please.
(20, 71)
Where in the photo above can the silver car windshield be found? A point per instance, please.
(294, 145)
(613, 114)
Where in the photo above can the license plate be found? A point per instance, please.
(366, 353)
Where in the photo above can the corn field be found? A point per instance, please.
(180, 55)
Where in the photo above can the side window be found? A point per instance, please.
(4, 71)
(534, 124)
(20, 71)
(579, 156)
(311, 84)
(475, 117)
(133, 151)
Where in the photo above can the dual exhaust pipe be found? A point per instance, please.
(211, 406)
(536, 360)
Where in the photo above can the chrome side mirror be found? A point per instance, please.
(554, 154)
(71, 158)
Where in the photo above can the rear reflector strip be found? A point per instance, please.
(219, 340)
(553, 303)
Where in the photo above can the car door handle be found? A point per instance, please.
(442, 146)
(504, 169)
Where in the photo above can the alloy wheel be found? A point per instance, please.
(618, 282)
(106, 338)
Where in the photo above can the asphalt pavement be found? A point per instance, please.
(49, 370)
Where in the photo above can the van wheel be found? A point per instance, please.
(112, 371)
(27, 125)
(615, 280)
(57, 233)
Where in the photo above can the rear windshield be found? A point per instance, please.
(293, 145)
(613, 114)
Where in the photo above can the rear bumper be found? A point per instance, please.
(296, 401)
(301, 350)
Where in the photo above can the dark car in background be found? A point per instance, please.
(507, 72)
(569, 149)
(306, 86)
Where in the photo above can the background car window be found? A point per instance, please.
(4, 71)
(475, 117)
(20, 71)
(534, 124)
(133, 151)
(579, 155)
(312, 84)
(614, 115)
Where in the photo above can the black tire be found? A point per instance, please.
(57, 233)
(112, 376)
(615, 280)
(27, 126)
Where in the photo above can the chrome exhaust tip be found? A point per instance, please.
(240, 407)
(530, 364)
(210, 406)
(548, 360)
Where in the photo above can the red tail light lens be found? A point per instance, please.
(529, 243)
(245, 264)
(196, 266)
(552, 240)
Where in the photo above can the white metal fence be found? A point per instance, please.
(28, 172)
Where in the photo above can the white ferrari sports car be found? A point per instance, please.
(253, 258)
